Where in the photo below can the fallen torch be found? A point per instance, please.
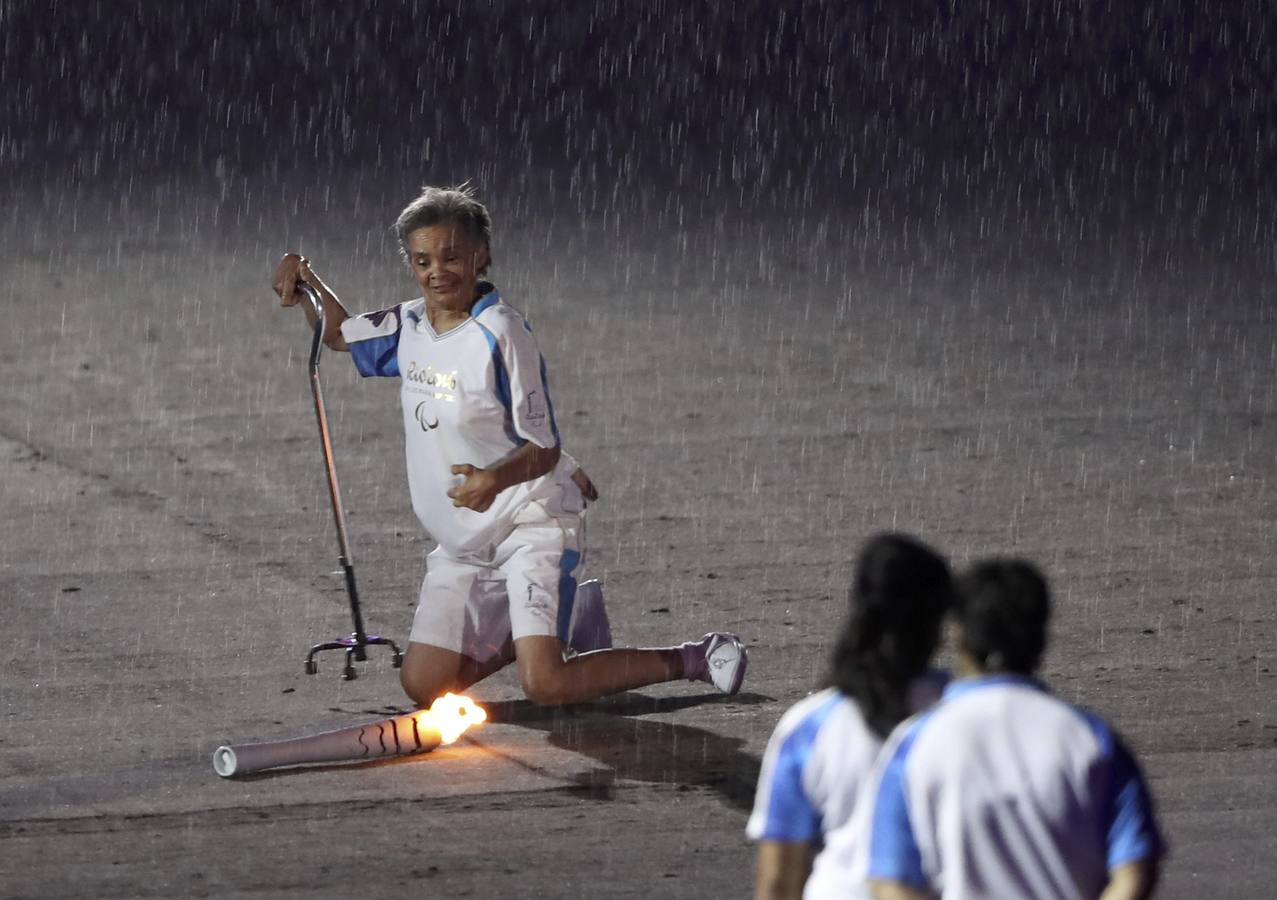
(418, 732)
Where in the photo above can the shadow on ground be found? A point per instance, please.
(628, 747)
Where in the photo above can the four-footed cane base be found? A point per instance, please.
(354, 646)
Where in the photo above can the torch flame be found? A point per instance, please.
(451, 715)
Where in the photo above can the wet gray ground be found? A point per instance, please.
(755, 393)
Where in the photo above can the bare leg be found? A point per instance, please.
(549, 680)
(429, 671)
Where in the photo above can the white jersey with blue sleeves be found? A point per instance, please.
(816, 755)
(474, 394)
(1005, 791)
(816, 765)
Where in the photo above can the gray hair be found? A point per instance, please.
(453, 205)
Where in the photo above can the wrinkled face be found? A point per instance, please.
(446, 262)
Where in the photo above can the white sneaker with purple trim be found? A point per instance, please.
(718, 658)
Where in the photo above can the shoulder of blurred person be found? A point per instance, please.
(1002, 747)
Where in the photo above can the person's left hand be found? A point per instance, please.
(478, 490)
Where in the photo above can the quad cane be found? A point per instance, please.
(358, 640)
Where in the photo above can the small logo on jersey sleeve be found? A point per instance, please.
(376, 318)
(535, 412)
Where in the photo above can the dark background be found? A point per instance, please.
(1127, 109)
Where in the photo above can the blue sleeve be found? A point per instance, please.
(1132, 827)
(893, 846)
(782, 810)
(373, 342)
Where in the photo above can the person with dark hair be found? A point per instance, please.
(488, 479)
(1003, 790)
(824, 747)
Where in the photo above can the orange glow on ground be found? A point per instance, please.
(452, 715)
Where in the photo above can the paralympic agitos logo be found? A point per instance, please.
(423, 417)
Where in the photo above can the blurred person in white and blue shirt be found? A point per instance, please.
(824, 747)
(1002, 790)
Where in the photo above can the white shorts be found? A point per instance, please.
(473, 604)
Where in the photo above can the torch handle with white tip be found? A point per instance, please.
(405, 735)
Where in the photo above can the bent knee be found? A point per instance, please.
(414, 686)
(422, 688)
(546, 686)
(428, 672)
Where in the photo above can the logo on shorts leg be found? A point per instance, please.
(540, 604)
